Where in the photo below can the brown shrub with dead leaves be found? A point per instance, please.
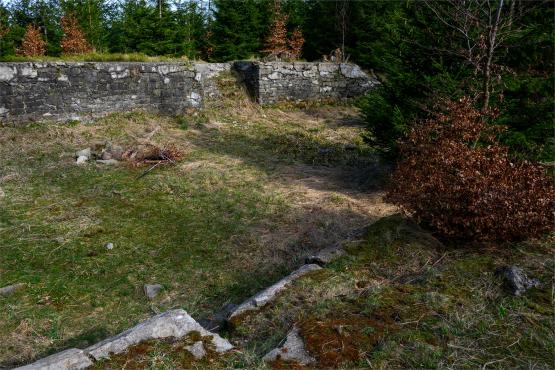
(456, 177)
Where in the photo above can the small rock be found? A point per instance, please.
(152, 290)
(7, 290)
(327, 254)
(197, 350)
(84, 153)
(109, 246)
(110, 162)
(106, 155)
(82, 159)
(292, 350)
(2, 193)
(117, 152)
(516, 280)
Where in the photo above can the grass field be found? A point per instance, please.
(402, 300)
(256, 190)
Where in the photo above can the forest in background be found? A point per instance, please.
(422, 51)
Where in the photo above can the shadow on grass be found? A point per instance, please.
(198, 235)
(346, 167)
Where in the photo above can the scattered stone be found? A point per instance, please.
(110, 162)
(516, 280)
(197, 350)
(292, 350)
(109, 246)
(174, 323)
(106, 155)
(72, 358)
(7, 290)
(2, 193)
(116, 152)
(152, 290)
(84, 153)
(81, 159)
(268, 294)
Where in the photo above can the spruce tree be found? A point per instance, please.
(240, 28)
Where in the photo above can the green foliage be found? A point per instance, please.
(92, 17)
(44, 14)
(239, 28)
(416, 56)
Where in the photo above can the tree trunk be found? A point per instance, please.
(491, 49)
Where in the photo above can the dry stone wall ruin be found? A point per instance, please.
(273, 82)
(62, 91)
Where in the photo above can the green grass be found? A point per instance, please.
(213, 228)
(253, 194)
(413, 303)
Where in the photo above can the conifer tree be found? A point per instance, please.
(33, 44)
(73, 41)
(239, 28)
(276, 41)
(93, 17)
(296, 43)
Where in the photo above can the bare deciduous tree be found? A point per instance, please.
(484, 26)
(342, 12)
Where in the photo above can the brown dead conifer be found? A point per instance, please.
(276, 42)
(73, 41)
(296, 43)
(32, 45)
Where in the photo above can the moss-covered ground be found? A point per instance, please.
(254, 192)
(400, 299)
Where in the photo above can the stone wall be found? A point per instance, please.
(272, 82)
(61, 91)
(72, 90)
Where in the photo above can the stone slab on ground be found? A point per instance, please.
(72, 358)
(174, 324)
(197, 350)
(7, 290)
(270, 293)
(292, 350)
(152, 290)
(516, 280)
